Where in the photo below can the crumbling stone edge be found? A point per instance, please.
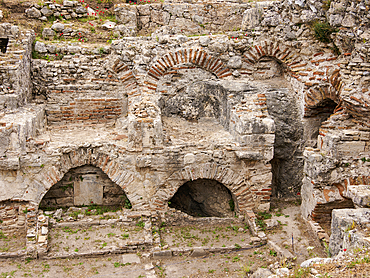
(319, 232)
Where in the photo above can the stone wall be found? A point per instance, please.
(161, 69)
(289, 143)
(237, 107)
(83, 88)
(181, 18)
(349, 230)
(15, 89)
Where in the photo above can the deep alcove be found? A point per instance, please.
(204, 198)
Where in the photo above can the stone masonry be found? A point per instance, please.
(239, 93)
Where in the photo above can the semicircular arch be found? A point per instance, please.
(232, 180)
(282, 53)
(50, 175)
(172, 61)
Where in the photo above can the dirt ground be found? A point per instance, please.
(233, 264)
(216, 236)
(293, 232)
(13, 242)
(240, 263)
(65, 240)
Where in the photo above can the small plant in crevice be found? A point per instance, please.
(364, 159)
(301, 272)
(323, 30)
(2, 235)
(65, 187)
(273, 253)
(127, 204)
(232, 205)
(140, 224)
(327, 249)
(326, 5)
(264, 215)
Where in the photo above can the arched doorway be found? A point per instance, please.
(204, 198)
(84, 185)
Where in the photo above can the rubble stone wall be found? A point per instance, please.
(182, 17)
(66, 10)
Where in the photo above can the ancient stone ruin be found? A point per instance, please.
(209, 108)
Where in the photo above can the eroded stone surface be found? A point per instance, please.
(349, 230)
(155, 112)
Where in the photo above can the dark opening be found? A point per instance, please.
(3, 44)
(314, 117)
(322, 212)
(325, 108)
(204, 198)
(82, 186)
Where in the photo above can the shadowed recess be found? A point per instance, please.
(204, 198)
(84, 185)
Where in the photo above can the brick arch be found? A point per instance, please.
(316, 95)
(50, 175)
(235, 181)
(278, 51)
(170, 63)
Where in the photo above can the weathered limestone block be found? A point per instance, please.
(48, 33)
(58, 27)
(251, 18)
(40, 47)
(360, 195)
(80, 10)
(346, 229)
(126, 15)
(335, 20)
(248, 125)
(125, 31)
(159, 17)
(271, 20)
(46, 12)
(348, 21)
(88, 191)
(33, 13)
(235, 62)
(351, 148)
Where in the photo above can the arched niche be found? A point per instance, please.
(84, 185)
(204, 198)
(267, 67)
(314, 117)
